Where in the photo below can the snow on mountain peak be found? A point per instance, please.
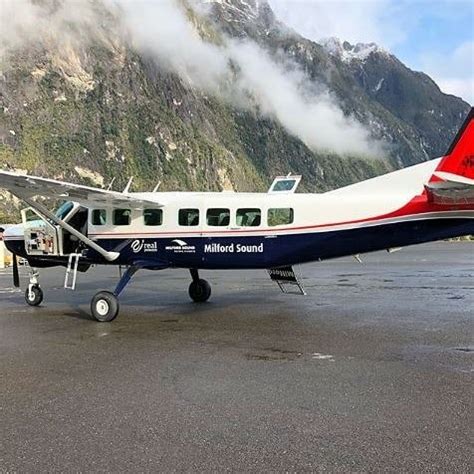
(347, 52)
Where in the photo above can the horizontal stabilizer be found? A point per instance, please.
(454, 178)
(451, 189)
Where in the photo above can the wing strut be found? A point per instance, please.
(110, 256)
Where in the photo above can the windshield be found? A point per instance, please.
(64, 209)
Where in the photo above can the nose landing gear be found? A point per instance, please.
(199, 289)
(34, 293)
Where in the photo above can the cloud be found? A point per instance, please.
(285, 94)
(363, 21)
(161, 29)
(426, 34)
(240, 72)
(24, 22)
(454, 73)
(463, 88)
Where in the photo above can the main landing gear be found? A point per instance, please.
(105, 304)
(34, 293)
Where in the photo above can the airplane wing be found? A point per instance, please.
(23, 185)
(451, 189)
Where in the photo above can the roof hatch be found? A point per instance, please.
(285, 184)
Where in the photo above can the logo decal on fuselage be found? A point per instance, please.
(140, 245)
(233, 248)
(180, 246)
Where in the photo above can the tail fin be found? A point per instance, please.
(459, 159)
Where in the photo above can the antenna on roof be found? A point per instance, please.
(156, 187)
(109, 187)
(127, 188)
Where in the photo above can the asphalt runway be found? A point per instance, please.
(372, 371)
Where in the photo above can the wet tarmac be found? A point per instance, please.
(372, 371)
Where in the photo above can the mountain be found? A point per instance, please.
(404, 107)
(413, 98)
(88, 111)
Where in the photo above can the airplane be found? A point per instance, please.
(275, 231)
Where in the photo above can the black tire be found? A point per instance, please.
(35, 297)
(104, 306)
(199, 291)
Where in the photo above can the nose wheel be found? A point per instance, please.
(199, 289)
(34, 295)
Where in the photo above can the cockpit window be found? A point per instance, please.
(64, 209)
(99, 217)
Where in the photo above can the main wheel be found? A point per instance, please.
(35, 296)
(199, 291)
(104, 306)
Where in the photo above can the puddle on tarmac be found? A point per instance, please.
(275, 354)
(272, 353)
(468, 350)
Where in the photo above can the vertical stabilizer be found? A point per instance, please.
(459, 159)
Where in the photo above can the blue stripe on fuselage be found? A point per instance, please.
(265, 252)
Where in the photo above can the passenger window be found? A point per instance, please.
(218, 217)
(99, 217)
(122, 216)
(249, 217)
(152, 216)
(281, 216)
(188, 217)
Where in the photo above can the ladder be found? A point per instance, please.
(287, 280)
(71, 271)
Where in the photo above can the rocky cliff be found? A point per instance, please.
(90, 110)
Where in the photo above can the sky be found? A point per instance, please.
(433, 36)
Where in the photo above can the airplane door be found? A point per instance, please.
(41, 236)
(77, 219)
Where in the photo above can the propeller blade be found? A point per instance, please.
(16, 275)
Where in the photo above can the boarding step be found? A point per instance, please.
(71, 271)
(287, 280)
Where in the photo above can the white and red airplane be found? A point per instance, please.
(275, 230)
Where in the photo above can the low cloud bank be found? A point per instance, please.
(240, 72)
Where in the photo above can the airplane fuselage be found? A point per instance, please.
(274, 231)
(258, 230)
